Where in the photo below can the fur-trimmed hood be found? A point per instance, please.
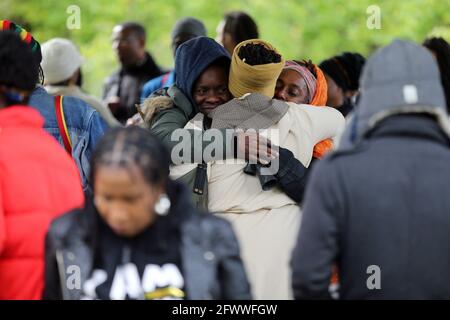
(151, 106)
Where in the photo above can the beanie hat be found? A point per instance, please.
(401, 78)
(16, 71)
(25, 36)
(245, 78)
(60, 59)
(189, 26)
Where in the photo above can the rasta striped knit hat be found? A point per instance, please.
(25, 36)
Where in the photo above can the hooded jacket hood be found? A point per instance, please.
(400, 78)
(192, 58)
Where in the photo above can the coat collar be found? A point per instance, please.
(412, 125)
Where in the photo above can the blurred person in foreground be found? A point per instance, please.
(38, 179)
(378, 208)
(139, 235)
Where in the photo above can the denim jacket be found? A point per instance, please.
(84, 124)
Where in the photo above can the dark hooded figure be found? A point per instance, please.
(202, 67)
(169, 107)
(379, 207)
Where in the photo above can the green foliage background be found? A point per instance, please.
(298, 28)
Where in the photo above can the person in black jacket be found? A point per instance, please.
(378, 207)
(122, 89)
(139, 236)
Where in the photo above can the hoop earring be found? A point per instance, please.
(163, 205)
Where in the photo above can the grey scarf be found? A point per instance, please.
(252, 111)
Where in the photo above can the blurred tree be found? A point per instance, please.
(299, 29)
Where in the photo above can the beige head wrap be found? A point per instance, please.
(245, 78)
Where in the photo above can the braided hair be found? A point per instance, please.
(256, 54)
(441, 49)
(133, 146)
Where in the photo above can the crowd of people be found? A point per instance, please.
(238, 174)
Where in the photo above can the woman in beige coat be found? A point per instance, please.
(266, 222)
